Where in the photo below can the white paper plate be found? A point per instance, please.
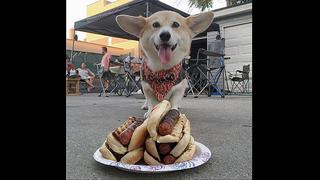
(201, 156)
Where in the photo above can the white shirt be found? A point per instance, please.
(84, 73)
(73, 72)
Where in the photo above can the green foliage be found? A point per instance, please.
(201, 4)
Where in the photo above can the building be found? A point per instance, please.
(82, 46)
(236, 27)
(99, 7)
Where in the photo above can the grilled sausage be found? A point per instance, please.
(169, 159)
(168, 122)
(127, 130)
(125, 136)
(164, 148)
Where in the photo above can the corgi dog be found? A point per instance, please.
(165, 40)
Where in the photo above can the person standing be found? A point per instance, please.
(105, 63)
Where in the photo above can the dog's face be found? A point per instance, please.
(165, 36)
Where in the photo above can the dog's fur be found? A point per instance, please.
(149, 36)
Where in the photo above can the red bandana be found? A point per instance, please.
(162, 81)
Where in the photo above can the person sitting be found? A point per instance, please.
(71, 72)
(86, 75)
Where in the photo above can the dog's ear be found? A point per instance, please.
(131, 24)
(200, 22)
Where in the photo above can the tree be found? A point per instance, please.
(204, 4)
(235, 2)
(201, 4)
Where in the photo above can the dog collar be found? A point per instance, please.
(162, 81)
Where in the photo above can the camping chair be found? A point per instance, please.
(208, 78)
(240, 82)
(132, 84)
(196, 75)
(118, 82)
(186, 66)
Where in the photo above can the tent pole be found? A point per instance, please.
(147, 14)
(72, 45)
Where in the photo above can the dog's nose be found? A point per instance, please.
(165, 36)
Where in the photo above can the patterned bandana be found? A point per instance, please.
(162, 81)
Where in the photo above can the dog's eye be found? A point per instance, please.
(175, 25)
(156, 25)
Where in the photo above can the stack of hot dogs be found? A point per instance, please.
(169, 139)
(163, 138)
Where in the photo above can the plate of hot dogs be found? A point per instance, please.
(160, 143)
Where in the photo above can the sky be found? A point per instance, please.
(76, 10)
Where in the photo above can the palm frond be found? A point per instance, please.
(201, 4)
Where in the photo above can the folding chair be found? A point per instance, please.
(132, 84)
(118, 82)
(196, 75)
(238, 82)
(186, 66)
(207, 78)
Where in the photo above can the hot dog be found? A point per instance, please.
(185, 152)
(173, 141)
(155, 116)
(164, 148)
(125, 143)
(168, 122)
(169, 159)
(125, 131)
(126, 135)
(129, 143)
(117, 133)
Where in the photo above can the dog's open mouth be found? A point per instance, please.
(165, 52)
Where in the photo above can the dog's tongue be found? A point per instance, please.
(164, 54)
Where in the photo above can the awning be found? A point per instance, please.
(105, 23)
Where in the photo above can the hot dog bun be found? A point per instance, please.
(106, 153)
(175, 147)
(155, 116)
(181, 146)
(152, 148)
(115, 145)
(138, 137)
(133, 157)
(149, 159)
(188, 153)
